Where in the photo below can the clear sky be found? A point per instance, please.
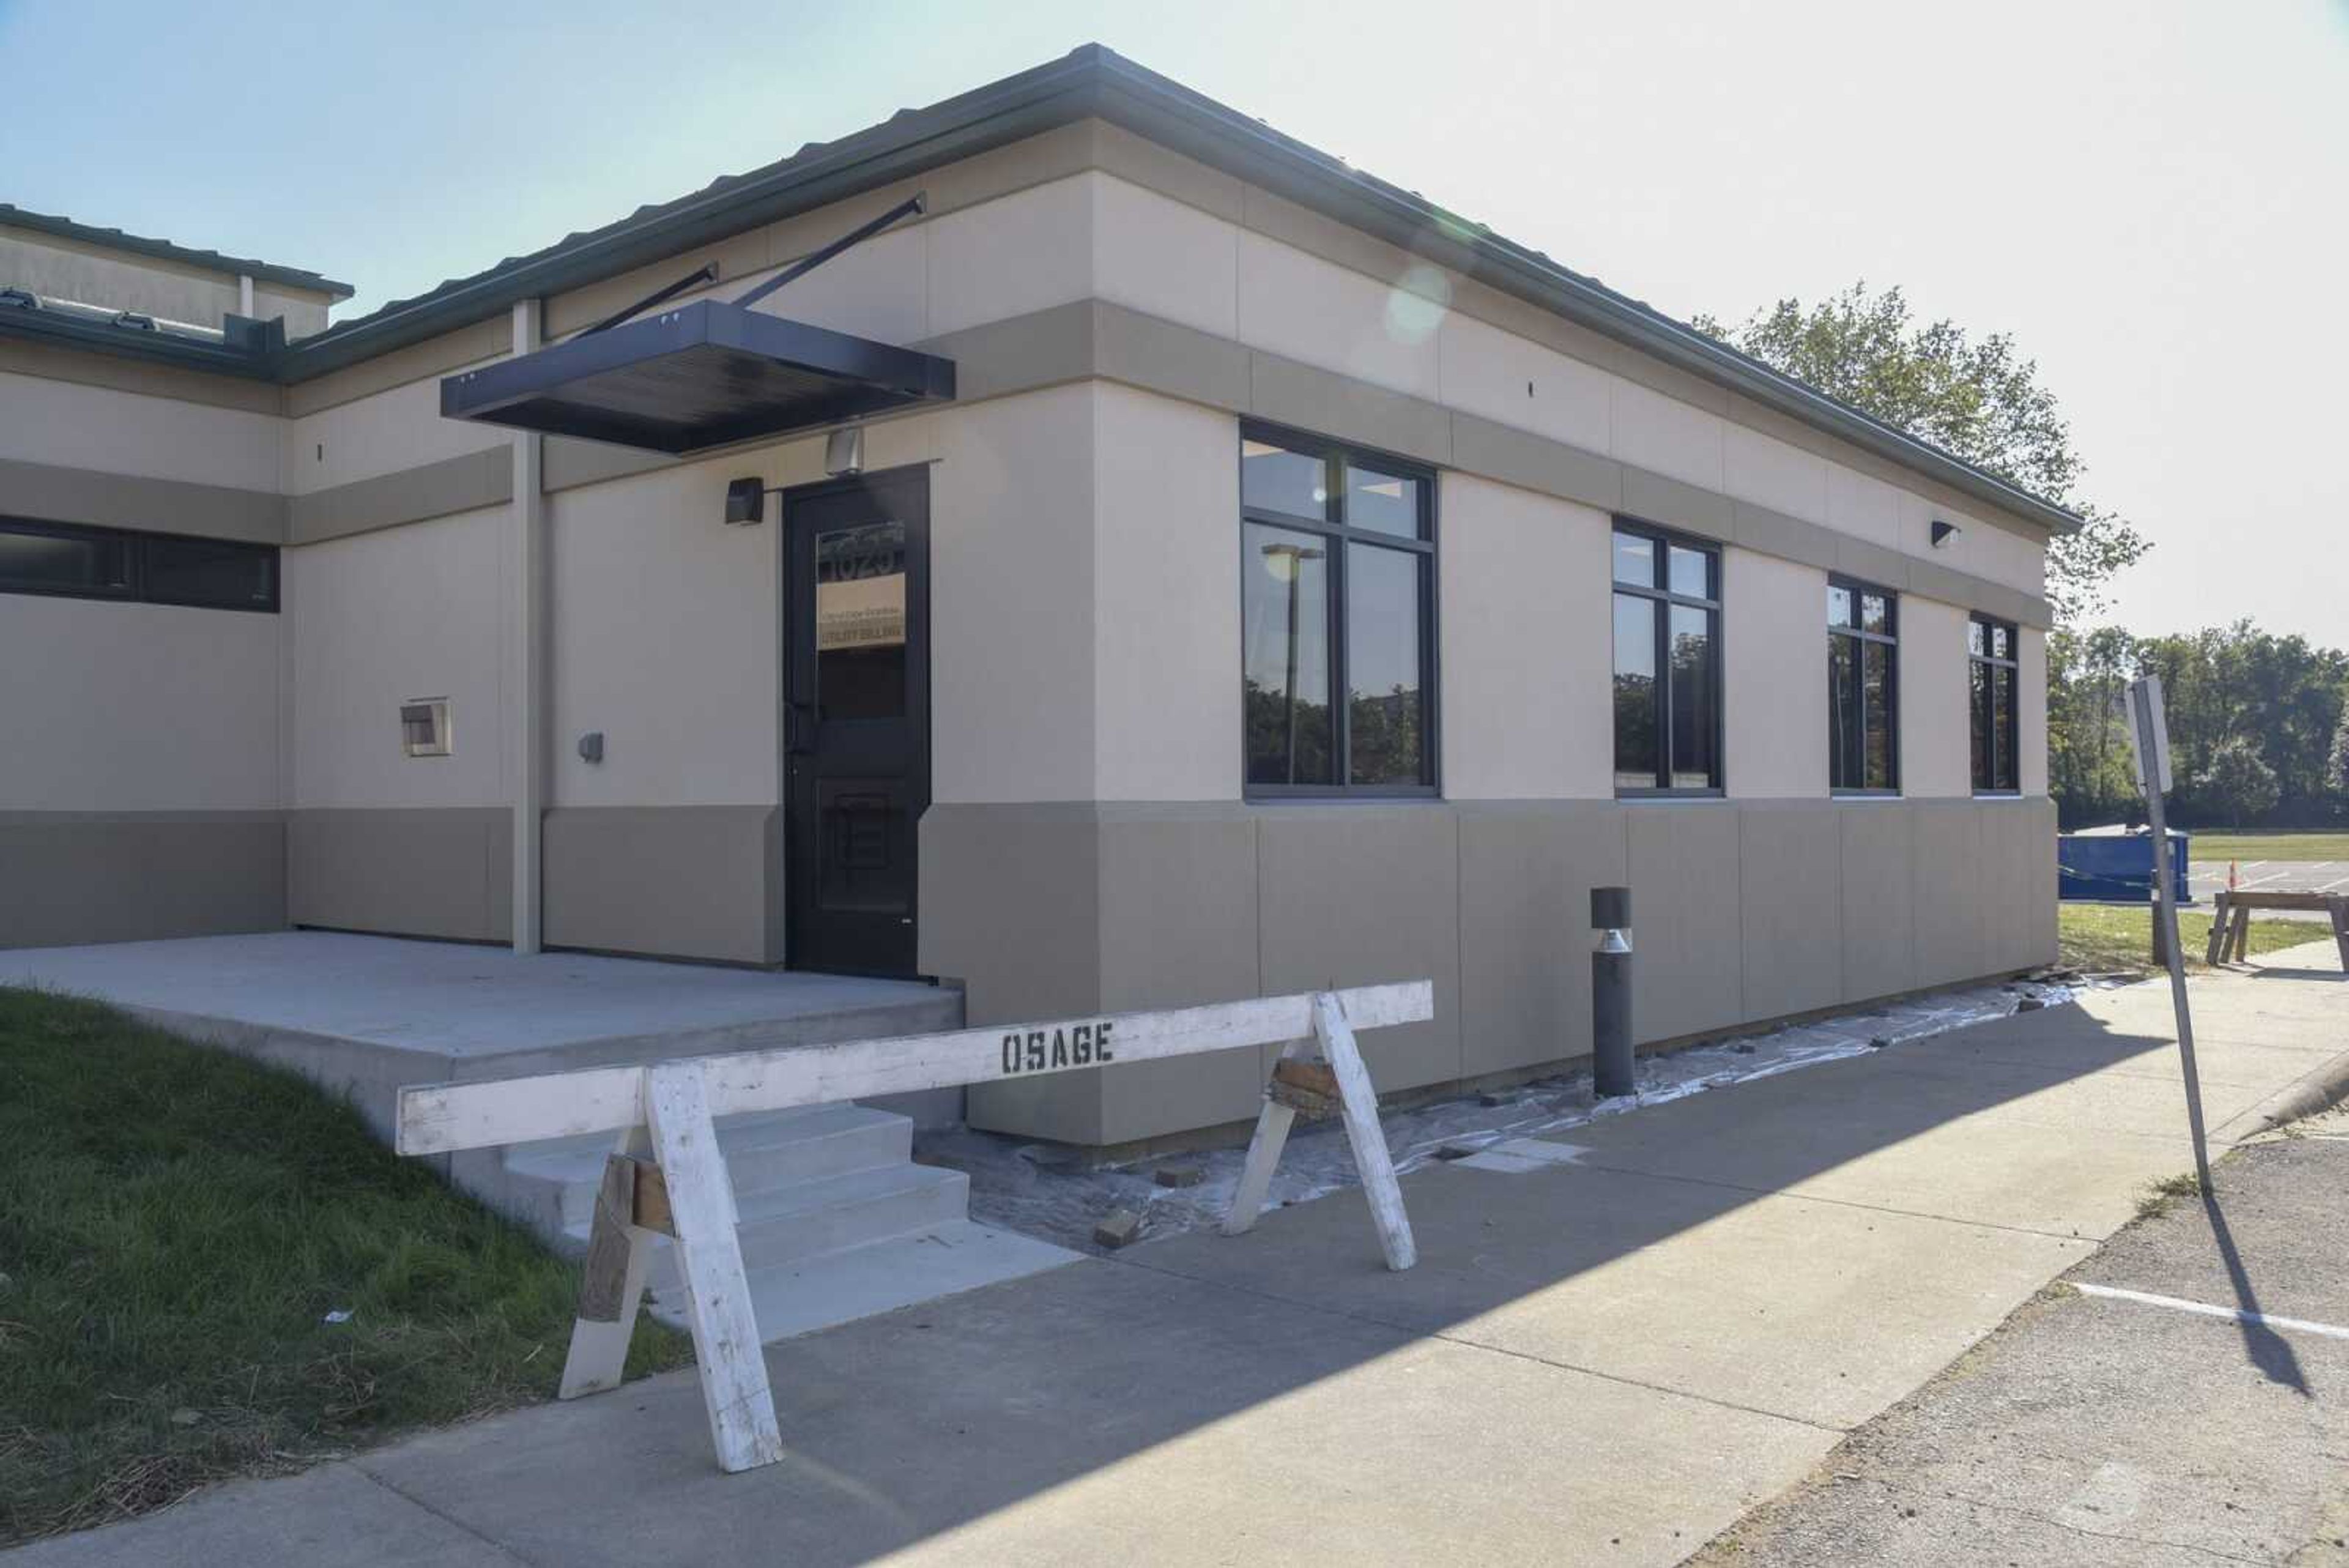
(2151, 195)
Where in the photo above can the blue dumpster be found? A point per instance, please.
(2115, 867)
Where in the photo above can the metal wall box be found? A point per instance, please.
(704, 375)
(424, 727)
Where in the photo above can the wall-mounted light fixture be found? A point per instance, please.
(746, 502)
(1943, 533)
(844, 452)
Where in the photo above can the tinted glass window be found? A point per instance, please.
(1386, 709)
(1692, 573)
(859, 623)
(1863, 716)
(1667, 679)
(211, 572)
(1993, 647)
(1383, 502)
(1337, 601)
(1638, 760)
(1280, 480)
(1875, 712)
(1845, 728)
(1693, 710)
(1285, 655)
(77, 562)
(37, 560)
(1635, 560)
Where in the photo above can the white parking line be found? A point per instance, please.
(2203, 1308)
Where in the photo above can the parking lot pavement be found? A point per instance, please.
(2100, 1427)
(2206, 879)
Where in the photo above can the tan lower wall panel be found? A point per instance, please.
(67, 878)
(682, 882)
(443, 871)
(1743, 912)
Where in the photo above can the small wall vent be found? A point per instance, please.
(424, 727)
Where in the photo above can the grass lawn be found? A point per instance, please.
(175, 1226)
(2212, 847)
(2096, 937)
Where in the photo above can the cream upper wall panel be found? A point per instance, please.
(879, 290)
(1011, 599)
(187, 699)
(1526, 645)
(1512, 381)
(1166, 599)
(665, 640)
(1774, 677)
(1024, 253)
(1770, 472)
(375, 435)
(1863, 507)
(1319, 313)
(1165, 259)
(2031, 678)
(78, 426)
(1980, 549)
(382, 619)
(1935, 730)
(1664, 434)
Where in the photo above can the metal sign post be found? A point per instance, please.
(2149, 746)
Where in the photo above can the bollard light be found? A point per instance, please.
(1610, 992)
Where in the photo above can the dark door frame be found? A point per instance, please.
(797, 717)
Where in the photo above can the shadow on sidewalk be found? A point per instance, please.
(995, 1404)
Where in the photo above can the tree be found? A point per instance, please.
(2088, 770)
(2236, 782)
(1977, 400)
(2280, 695)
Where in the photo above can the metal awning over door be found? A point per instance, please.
(702, 375)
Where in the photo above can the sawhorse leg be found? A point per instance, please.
(727, 1352)
(1359, 1105)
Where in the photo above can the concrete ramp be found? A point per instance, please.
(838, 1221)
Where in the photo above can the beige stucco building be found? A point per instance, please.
(1299, 585)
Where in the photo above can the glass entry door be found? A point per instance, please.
(856, 719)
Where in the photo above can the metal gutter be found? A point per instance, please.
(132, 343)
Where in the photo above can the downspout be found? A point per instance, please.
(528, 741)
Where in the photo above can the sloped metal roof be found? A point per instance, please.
(15, 217)
(1092, 81)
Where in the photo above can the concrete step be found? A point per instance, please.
(792, 1224)
(554, 1183)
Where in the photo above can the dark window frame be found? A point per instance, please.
(1890, 640)
(1331, 526)
(2006, 744)
(1666, 538)
(135, 586)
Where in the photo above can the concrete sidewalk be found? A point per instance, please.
(1606, 1359)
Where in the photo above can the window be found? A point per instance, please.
(1336, 558)
(1991, 648)
(75, 561)
(1863, 689)
(1667, 664)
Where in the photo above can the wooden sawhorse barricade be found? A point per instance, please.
(2231, 941)
(666, 1176)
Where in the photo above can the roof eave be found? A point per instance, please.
(164, 347)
